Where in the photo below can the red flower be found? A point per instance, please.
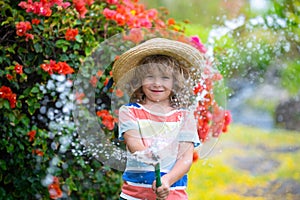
(102, 113)
(94, 81)
(71, 34)
(131, 14)
(54, 189)
(9, 76)
(119, 93)
(196, 42)
(79, 97)
(109, 14)
(43, 7)
(120, 19)
(135, 35)
(160, 24)
(171, 21)
(195, 156)
(64, 68)
(80, 7)
(45, 10)
(28, 36)
(99, 73)
(227, 121)
(221, 120)
(89, 2)
(152, 14)
(60, 67)
(46, 68)
(106, 81)
(35, 21)
(19, 69)
(22, 28)
(6, 93)
(112, 1)
(107, 119)
(38, 152)
(31, 135)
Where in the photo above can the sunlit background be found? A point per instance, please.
(254, 44)
(256, 47)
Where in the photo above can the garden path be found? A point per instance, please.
(261, 161)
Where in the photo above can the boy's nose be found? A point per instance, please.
(157, 82)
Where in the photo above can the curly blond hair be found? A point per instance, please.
(165, 64)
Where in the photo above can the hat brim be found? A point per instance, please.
(187, 55)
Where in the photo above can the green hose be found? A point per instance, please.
(157, 175)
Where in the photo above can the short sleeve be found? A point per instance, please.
(127, 121)
(188, 131)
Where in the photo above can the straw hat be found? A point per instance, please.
(187, 55)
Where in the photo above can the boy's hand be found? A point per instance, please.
(163, 191)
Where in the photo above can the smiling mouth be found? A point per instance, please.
(156, 90)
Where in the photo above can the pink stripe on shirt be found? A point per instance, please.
(148, 194)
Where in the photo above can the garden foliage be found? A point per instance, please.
(42, 46)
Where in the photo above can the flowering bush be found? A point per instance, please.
(42, 46)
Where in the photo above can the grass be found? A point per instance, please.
(219, 177)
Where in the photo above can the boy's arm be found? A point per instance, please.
(181, 167)
(134, 141)
(183, 163)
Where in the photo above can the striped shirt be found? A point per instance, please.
(164, 131)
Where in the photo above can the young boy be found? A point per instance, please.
(155, 122)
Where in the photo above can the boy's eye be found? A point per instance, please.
(166, 77)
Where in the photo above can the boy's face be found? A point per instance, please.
(157, 85)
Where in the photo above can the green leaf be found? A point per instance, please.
(11, 49)
(99, 176)
(78, 38)
(6, 104)
(30, 102)
(19, 104)
(78, 22)
(21, 146)
(11, 117)
(48, 50)
(7, 179)
(31, 110)
(71, 184)
(25, 120)
(26, 91)
(10, 148)
(35, 89)
(88, 51)
(62, 43)
(29, 70)
(22, 50)
(38, 48)
(37, 105)
(7, 21)
(80, 175)
(76, 46)
(64, 57)
(2, 166)
(40, 95)
(65, 48)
